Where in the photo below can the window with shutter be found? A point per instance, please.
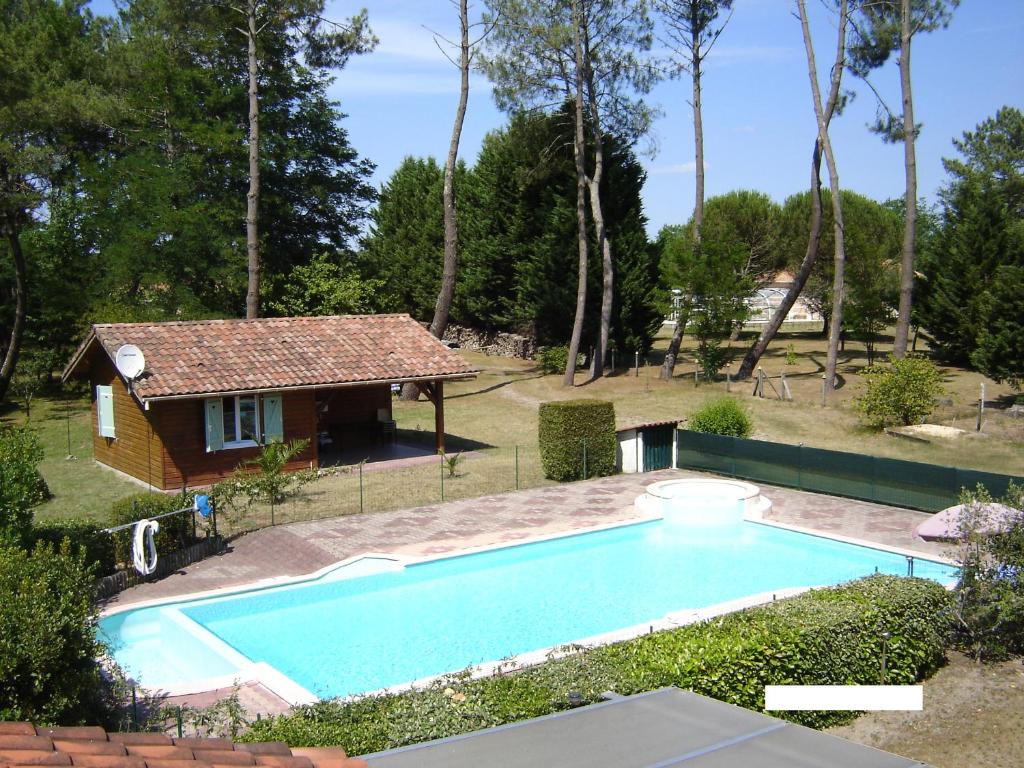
(105, 411)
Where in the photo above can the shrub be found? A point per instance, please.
(175, 531)
(553, 359)
(21, 485)
(712, 357)
(902, 391)
(574, 433)
(721, 416)
(829, 636)
(84, 536)
(990, 593)
(48, 645)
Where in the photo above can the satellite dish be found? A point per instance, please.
(130, 361)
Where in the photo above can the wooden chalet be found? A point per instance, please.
(211, 392)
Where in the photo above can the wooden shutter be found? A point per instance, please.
(214, 424)
(273, 421)
(105, 411)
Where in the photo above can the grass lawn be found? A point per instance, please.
(496, 412)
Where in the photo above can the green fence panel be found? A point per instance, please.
(996, 485)
(837, 473)
(775, 463)
(910, 484)
(913, 484)
(712, 453)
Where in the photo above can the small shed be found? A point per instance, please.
(646, 447)
(212, 392)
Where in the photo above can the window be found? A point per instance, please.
(240, 421)
(105, 411)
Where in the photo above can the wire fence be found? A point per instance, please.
(363, 488)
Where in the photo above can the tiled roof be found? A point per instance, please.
(22, 744)
(214, 356)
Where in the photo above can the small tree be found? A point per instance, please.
(21, 485)
(270, 484)
(900, 392)
(990, 593)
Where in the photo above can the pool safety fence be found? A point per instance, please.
(911, 484)
(167, 563)
(357, 488)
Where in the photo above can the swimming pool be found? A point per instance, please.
(343, 634)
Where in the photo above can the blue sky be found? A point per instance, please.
(758, 119)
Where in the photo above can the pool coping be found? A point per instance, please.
(295, 694)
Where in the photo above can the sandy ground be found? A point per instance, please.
(973, 716)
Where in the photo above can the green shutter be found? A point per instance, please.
(273, 423)
(214, 424)
(105, 411)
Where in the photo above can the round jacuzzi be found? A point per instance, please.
(704, 502)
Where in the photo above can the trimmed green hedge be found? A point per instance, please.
(577, 439)
(82, 534)
(175, 531)
(829, 636)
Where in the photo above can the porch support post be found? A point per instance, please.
(439, 415)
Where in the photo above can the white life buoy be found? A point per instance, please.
(145, 563)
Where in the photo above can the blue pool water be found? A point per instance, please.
(338, 637)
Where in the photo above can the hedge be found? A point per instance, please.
(82, 534)
(48, 644)
(577, 439)
(829, 636)
(722, 416)
(175, 531)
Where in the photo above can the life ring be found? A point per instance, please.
(145, 563)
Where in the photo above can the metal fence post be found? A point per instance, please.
(584, 458)
(360, 486)
(517, 465)
(442, 477)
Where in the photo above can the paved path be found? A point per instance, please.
(301, 548)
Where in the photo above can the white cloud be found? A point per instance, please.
(405, 80)
(745, 129)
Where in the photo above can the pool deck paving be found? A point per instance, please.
(302, 548)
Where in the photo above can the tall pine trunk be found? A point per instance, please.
(10, 360)
(768, 333)
(910, 196)
(597, 211)
(451, 226)
(668, 367)
(578, 149)
(833, 173)
(252, 199)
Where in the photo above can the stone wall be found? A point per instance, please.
(492, 343)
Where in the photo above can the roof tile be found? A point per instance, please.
(93, 732)
(25, 742)
(144, 737)
(21, 729)
(107, 761)
(217, 356)
(88, 746)
(33, 757)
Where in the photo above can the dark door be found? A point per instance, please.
(657, 447)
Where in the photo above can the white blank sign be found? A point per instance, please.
(844, 697)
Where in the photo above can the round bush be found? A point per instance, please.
(723, 416)
(900, 392)
(577, 439)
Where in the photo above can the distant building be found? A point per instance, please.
(763, 305)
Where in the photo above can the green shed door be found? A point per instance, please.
(657, 447)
